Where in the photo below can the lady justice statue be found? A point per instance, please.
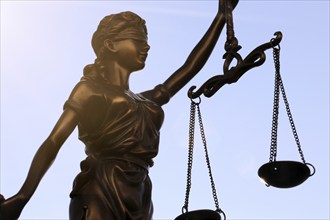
(119, 128)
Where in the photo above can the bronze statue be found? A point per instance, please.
(120, 129)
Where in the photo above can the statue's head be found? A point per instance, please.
(124, 25)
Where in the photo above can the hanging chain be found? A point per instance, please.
(208, 163)
(273, 146)
(279, 87)
(190, 154)
(190, 157)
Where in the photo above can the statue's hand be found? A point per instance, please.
(11, 208)
(233, 2)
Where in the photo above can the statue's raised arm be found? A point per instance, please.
(199, 54)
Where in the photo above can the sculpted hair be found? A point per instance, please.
(110, 26)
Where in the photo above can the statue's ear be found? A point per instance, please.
(110, 45)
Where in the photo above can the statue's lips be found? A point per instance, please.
(143, 56)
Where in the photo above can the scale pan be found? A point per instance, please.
(199, 215)
(285, 174)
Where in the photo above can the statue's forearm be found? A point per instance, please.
(197, 58)
(47, 152)
(40, 164)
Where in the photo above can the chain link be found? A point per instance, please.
(279, 88)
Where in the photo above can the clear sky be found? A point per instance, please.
(46, 44)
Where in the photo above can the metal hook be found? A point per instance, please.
(184, 209)
(191, 96)
(275, 45)
(313, 171)
(221, 213)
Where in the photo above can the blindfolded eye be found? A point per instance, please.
(132, 33)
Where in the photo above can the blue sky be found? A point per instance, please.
(46, 44)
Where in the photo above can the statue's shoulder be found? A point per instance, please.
(87, 87)
(84, 90)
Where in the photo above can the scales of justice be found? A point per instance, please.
(120, 129)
